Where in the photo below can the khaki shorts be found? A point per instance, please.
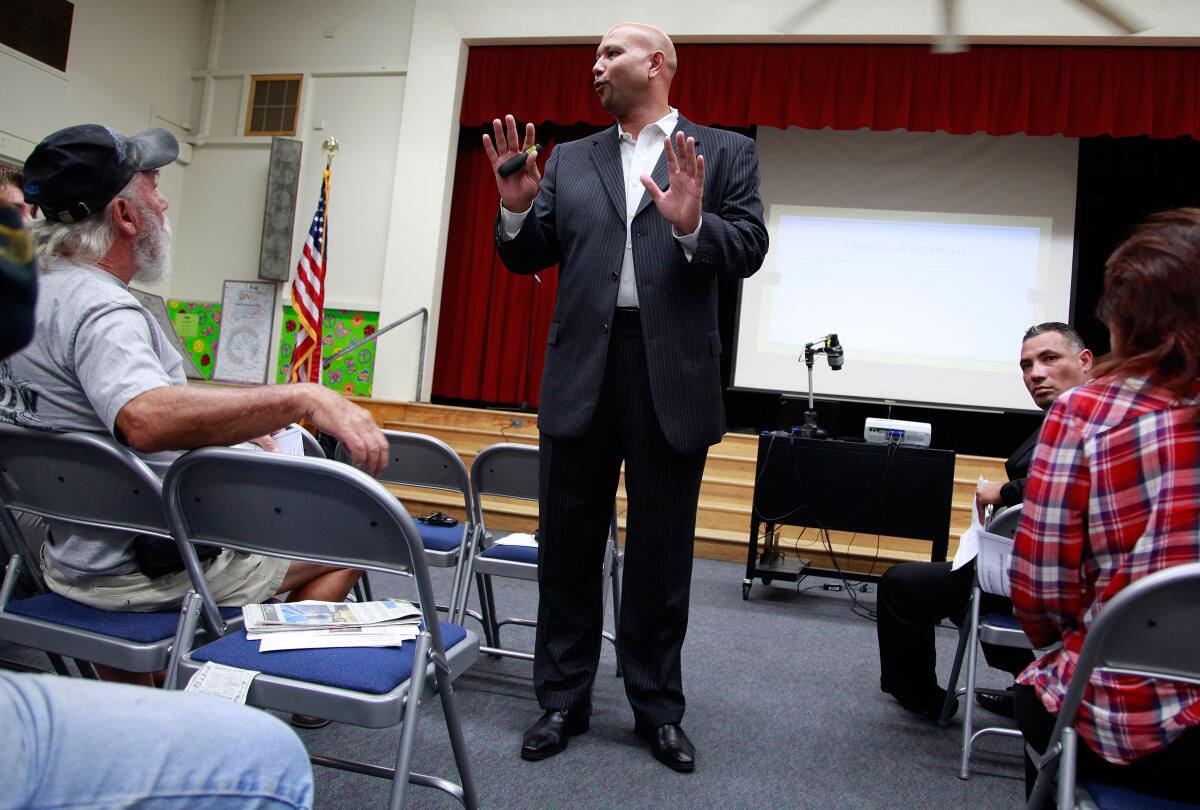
(235, 579)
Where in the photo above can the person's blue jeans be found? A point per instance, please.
(72, 743)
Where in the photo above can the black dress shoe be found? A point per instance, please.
(997, 704)
(670, 746)
(550, 733)
(928, 705)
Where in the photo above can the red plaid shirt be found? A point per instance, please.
(1113, 494)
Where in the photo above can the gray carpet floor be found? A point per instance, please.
(783, 705)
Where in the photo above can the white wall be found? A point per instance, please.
(128, 67)
(351, 56)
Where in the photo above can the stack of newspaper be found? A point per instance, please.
(324, 625)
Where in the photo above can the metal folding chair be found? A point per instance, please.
(87, 480)
(511, 471)
(1000, 629)
(1141, 632)
(320, 511)
(417, 460)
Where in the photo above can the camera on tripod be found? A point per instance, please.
(832, 349)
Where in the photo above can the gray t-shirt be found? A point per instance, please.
(94, 349)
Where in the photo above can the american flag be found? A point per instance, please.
(308, 295)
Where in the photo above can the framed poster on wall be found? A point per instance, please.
(247, 314)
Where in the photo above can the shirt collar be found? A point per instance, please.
(666, 125)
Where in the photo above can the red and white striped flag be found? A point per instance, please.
(308, 295)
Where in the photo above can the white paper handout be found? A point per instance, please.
(968, 543)
(287, 440)
(995, 559)
(230, 683)
(517, 539)
(386, 636)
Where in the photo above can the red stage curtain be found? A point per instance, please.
(1037, 90)
(492, 331)
(493, 323)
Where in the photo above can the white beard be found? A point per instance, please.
(152, 252)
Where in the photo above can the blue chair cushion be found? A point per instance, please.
(521, 554)
(1111, 797)
(144, 628)
(1005, 621)
(374, 670)
(441, 538)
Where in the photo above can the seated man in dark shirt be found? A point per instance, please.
(914, 597)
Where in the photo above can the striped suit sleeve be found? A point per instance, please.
(733, 239)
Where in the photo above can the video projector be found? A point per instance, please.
(897, 431)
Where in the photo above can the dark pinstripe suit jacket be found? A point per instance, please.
(578, 222)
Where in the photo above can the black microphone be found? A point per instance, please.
(515, 163)
(834, 353)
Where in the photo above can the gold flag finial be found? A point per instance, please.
(330, 147)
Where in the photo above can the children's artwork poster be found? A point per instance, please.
(198, 324)
(353, 374)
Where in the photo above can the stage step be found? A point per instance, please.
(726, 493)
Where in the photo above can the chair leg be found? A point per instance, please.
(487, 609)
(614, 575)
(460, 589)
(408, 733)
(185, 634)
(457, 741)
(362, 589)
(952, 691)
(968, 723)
(1066, 771)
(59, 665)
(1047, 765)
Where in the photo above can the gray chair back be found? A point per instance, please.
(507, 470)
(1004, 521)
(80, 478)
(312, 448)
(308, 509)
(1142, 632)
(415, 459)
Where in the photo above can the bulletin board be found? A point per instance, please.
(353, 374)
(247, 310)
(198, 324)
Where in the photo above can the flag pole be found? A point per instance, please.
(330, 147)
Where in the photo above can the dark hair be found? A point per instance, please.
(1073, 338)
(1151, 302)
(11, 176)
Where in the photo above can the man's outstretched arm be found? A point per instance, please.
(180, 417)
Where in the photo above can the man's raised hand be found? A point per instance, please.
(518, 189)
(680, 204)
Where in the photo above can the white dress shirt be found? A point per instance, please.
(638, 157)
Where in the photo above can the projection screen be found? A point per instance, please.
(928, 254)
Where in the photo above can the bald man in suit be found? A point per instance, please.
(641, 219)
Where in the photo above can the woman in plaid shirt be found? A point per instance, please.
(1113, 494)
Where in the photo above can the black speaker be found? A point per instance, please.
(279, 211)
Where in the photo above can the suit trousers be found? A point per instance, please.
(913, 597)
(578, 483)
